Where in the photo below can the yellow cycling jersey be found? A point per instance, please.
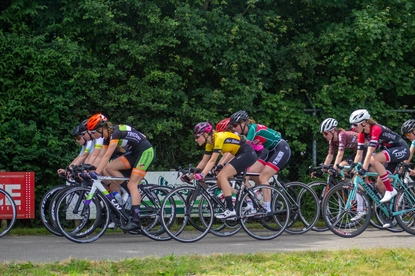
(224, 142)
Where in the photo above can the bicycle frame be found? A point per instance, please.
(358, 180)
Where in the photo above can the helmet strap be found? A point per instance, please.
(90, 136)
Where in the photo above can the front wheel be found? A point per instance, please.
(341, 207)
(405, 205)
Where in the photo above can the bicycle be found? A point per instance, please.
(339, 206)
(82, 213)
(8, 212)
(220, 228)
(321, 188)
(195, 215)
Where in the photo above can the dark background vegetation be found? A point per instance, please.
(164, 65)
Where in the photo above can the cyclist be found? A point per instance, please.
(277, 151)
(339, 139)
(215, 143)
(78, 134)
(407, 130)
(139, 154)
(393, 150)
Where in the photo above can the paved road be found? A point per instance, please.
(43, 249)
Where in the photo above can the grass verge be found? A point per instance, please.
(343, 262)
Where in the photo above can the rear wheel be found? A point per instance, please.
(260, 223)
(8, 213)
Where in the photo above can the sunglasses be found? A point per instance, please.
(77, 138)
(408, 134)
(235, 125)
(325, 133)
(356, 125)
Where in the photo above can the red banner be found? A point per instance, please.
(21, 186)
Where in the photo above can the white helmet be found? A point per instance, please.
(358, 116)
(328, 124)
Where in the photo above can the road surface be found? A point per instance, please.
(49, 248)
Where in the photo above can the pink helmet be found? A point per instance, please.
(201, 128)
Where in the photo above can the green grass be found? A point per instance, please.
(344, 262)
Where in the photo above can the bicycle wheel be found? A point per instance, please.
(304, 207)
(186, 225)
(337, 215)
(150, 211)
(81, 220)
(321, 189)
(258, 222)
(44, 211)
(52, 206)
(220, 227)
(8, 213)
(405, 203)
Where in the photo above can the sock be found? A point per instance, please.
(386, 182)
(136, 213)
(229, 205)
(267, 206)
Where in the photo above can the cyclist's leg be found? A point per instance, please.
(143, 161)
(277, 160)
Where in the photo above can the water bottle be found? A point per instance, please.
(128, 204)
(118, 197)
(258, 194)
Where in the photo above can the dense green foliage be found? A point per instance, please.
(164, 65)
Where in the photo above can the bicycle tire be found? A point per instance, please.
(259, 223)
(320, 188)
(338, 217)
(10, 220)
(52, 206)
(304, 207)
(185, 214)
(44, 212)
(94, 216)
(404, 200)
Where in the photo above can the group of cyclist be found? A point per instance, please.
(378, 148)
(241, 144)
(121, 149)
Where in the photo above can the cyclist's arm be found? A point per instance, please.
(204, 161)
(225, 158)
(369, 154)
(80, 159)
(328, 160)
(107, 156)
(339, 158)
(211, 162)
(411, 154)
(100, 156)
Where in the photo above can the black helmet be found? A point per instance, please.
(75, 132)
(79, 129)
(239, 116)
(408, 126)
(82, 126)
